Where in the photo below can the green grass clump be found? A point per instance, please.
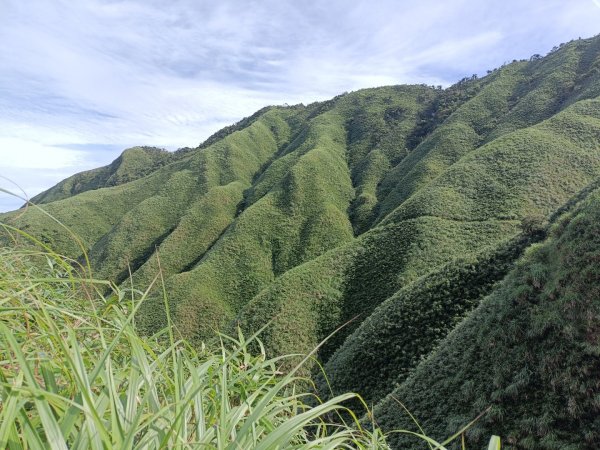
(74, 373)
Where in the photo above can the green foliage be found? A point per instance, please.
(74, 373)
(531, 350)
(134, 163)
(441, 107)
(224, 132)
(392, 210)
(308, 302)
(518, 173)
(378, 130)
(405, 328)
(299, 218)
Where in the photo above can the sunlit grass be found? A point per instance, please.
(74, 373)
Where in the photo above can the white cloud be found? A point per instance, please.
(151, 72)
(29, 167)
(21, 154)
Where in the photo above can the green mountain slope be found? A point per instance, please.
(531, 350)
(134, 163)
(406, 327)
(392, 210)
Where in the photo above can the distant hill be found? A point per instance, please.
(416, 216)
(134, 163)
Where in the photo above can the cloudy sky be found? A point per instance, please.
(82, 80)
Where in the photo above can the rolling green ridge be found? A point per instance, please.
(406, 327)
(134, 163)
(394, 213)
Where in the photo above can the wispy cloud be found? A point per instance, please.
(77, 76)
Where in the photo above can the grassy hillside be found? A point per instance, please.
(133, 163)
(75, 373)
(392, 211)
(531, 350)
(406, 327)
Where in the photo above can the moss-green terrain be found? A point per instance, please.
(453, 232)
(530, 351)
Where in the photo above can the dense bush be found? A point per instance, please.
(531, 351)
(391, 342)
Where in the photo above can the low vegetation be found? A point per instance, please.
(530, 351)
(391, 215)
(74, 373)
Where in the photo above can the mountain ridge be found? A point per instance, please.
(403, 202)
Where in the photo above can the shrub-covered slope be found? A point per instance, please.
(134, 163)
(531, 350)
(405, 328)
(393, 210)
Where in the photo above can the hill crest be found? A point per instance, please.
(400, 207)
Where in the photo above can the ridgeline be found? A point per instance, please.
(454, 231)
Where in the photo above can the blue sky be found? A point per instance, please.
(82, 80)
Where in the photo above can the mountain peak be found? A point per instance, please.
(394, 211)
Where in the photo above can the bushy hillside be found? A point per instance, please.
(134, 163)
(405, 328)
(393, 211)
(531, 350)
(75, 373)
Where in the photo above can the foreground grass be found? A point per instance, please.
(74, 373)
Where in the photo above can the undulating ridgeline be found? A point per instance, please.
(397, 211)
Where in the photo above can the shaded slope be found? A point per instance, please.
(406, 327)
(312, 300)
(531, 350)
